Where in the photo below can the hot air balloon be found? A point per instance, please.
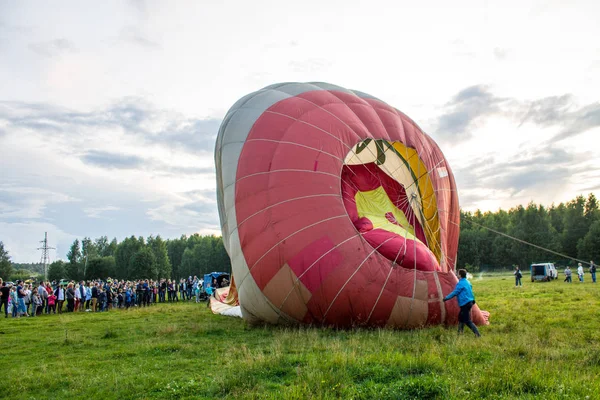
(336, 210)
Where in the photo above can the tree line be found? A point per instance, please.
(132, 258)
(571, 229)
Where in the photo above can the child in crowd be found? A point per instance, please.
(52, 303)
(37, 305)
(127, 297)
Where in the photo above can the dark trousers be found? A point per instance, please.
(70, 305)
(464, 318)
(4, 303)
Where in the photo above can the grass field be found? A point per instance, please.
(543, 342)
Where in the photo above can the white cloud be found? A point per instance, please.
(95, 212)
(116, 104)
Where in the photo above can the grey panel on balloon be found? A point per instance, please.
(363, 95)
(329, 86)
(234, 131)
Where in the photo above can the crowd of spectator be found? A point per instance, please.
(30, 299)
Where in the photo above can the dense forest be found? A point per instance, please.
(559, 234)
(488, 241)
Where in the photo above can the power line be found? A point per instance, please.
(45, 255)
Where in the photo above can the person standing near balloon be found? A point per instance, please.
(464, 293)
(518, 275)
(568, 278)
(580, 272)
(593, 271)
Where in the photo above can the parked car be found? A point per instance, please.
(543, 272)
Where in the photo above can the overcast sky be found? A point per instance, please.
(109, 110)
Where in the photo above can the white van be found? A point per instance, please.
(543, 272)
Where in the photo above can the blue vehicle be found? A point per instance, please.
(220, 278)
(217, 277)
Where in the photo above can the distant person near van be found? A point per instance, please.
(568, 274)
(518, 275)
(593, 271)
(465, 298)
(580, 272)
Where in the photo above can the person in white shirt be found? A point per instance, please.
(60, 298)
(28, 302)
(77, 298)
(580, 272)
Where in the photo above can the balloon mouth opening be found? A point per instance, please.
(383, 191)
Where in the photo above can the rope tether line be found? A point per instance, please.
(528, 243)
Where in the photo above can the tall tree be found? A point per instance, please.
(6, 268)
(102, 246)
(74, 269)
(589, 247)
(159, 248)
(204, 254)
(189, 264)
(143, 264)
(532, 225)
(175, 249)
(112, 248)
(557, 217)
(221, 259)
(123, 253)
(74, 254)
(591, 211)
(575, 226)
(57, 270)
(469, 248)
(88, 249)
(100, 267)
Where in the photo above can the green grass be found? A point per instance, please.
(543, 342)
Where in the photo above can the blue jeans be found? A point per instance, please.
(464, 318)
(594, 277)
(22, 309)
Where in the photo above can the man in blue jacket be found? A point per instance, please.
(465, 298)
